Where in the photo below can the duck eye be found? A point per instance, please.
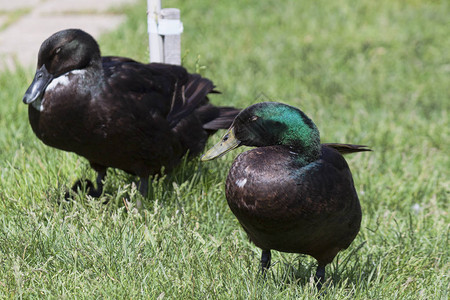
(254, 118)
(58, 50)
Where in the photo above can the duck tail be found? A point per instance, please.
(191, 111)
(187, 98)
(212, 117)
(217, 117)
(347, 148)
(197, 89)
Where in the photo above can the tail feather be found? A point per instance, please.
(347, 148)
(192, 98)
(223, 119)
(197, 89)
(189, 97)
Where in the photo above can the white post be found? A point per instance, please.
(155, 40)
(172, 35)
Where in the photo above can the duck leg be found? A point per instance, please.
(265, 261)
(143, 186)
(143, 189)
(99, 180)
(90, 188)
(320, 276)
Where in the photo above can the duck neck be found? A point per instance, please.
(290, 127)
(95, 75)
(308, 150)
(96, 67)
(302, 137)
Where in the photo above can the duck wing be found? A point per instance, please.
(188, 96)
(347, 148)
(154, 87)
(170, 89)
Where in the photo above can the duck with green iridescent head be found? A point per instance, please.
(291, 193)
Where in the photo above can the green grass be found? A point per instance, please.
(367, 72)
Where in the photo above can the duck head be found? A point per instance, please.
(64, 51)
(270, 124)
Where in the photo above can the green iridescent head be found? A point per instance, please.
(270, 124)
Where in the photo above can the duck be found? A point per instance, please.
(290, 193)
(117, 112)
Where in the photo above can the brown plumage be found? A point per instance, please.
(291, 193)
(117, 112)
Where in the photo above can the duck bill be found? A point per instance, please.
(35, 91)
(227, 143)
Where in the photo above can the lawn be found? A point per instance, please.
(367, 72)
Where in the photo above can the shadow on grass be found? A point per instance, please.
(349, 273)
(120, 188)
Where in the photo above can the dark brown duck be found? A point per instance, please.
(117, 112)
(291, 193)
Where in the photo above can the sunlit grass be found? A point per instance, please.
(366, 72)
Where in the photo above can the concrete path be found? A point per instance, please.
(25, 24)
